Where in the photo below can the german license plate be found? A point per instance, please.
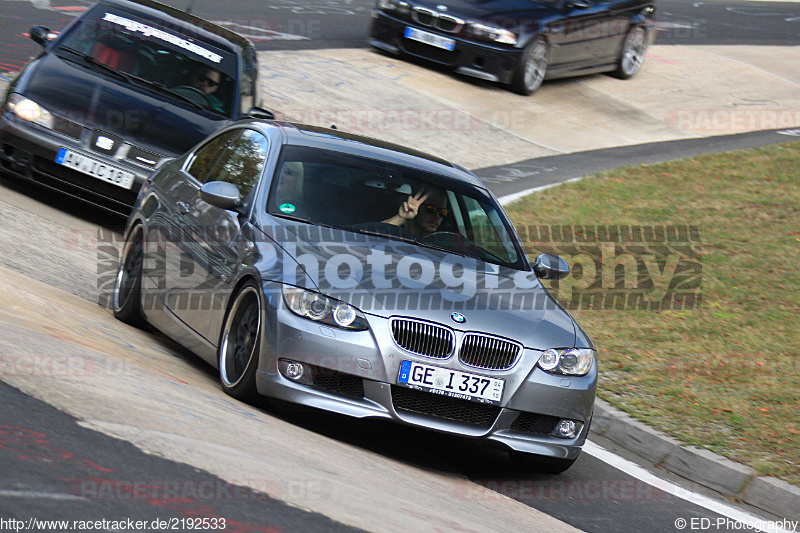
(451, 383)
(95, 168)
(430, 38)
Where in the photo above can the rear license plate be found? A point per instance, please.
(430, 38)
(451, 383)
(95, 168)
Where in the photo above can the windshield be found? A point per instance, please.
(398, 202)
(194, 73)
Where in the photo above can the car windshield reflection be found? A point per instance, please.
(142, 53)
(392, 201)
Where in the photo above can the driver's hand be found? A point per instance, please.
(409, 209)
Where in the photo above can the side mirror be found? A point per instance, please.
(550, 266)
(39, 35)
(221, 194)
(260, 112)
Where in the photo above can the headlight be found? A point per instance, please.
(28, 110)
(568, 361)
(392, 5)
(320, 308)
(491, 33)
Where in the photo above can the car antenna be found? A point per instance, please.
(333, 127)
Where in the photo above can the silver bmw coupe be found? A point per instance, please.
(360, 277)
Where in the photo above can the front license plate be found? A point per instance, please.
(451, 383)
(95, 168)
(430, 38)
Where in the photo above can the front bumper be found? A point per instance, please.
(355, 374)
(472, 58)
(28, 151)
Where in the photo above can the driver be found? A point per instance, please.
(422, 213)
(207, 81)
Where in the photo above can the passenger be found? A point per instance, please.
(422, 213)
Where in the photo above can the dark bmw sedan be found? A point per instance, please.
(518, 42)
(355, 276)
(125, 86)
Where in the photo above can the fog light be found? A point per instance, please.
(294, 371)
(567, 429)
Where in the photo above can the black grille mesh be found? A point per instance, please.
(337, 382)
(67, 127)
(425, 403)
(534, 423)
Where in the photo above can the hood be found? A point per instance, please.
(97, 101)
(385, 277)
(483, 9)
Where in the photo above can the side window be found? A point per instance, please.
(208, 154)
(484, 226)
(243, 161)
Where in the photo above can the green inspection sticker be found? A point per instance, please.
(287, 208)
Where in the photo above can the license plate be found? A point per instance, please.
(451, 383)
(95, 168)
(430, 38)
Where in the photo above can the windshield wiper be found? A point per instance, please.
(128, 77)
(164, 89)
(93, 61)
(385, 234)
(292, 217)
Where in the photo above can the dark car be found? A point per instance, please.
(360, 277)
(518, 42)
(123, 87)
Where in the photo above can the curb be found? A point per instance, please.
(698, 465)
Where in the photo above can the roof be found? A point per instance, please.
(308, 135)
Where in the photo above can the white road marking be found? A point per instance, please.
(634, 470)
(676, 25)
(510, 198)
(38, 494)
(259, 34)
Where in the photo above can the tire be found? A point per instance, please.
(532, 68)
(541, 464)
(631, 56)
(239, 344)
(127, 296)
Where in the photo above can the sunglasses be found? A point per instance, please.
(202, 78)
(433, 209)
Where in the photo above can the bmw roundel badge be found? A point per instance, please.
(458, 318)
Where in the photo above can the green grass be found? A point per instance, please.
(724, 375)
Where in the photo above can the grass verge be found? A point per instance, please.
(724, 374)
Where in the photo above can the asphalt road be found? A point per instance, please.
(314, 24)
(60, 474)
(518, 178)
